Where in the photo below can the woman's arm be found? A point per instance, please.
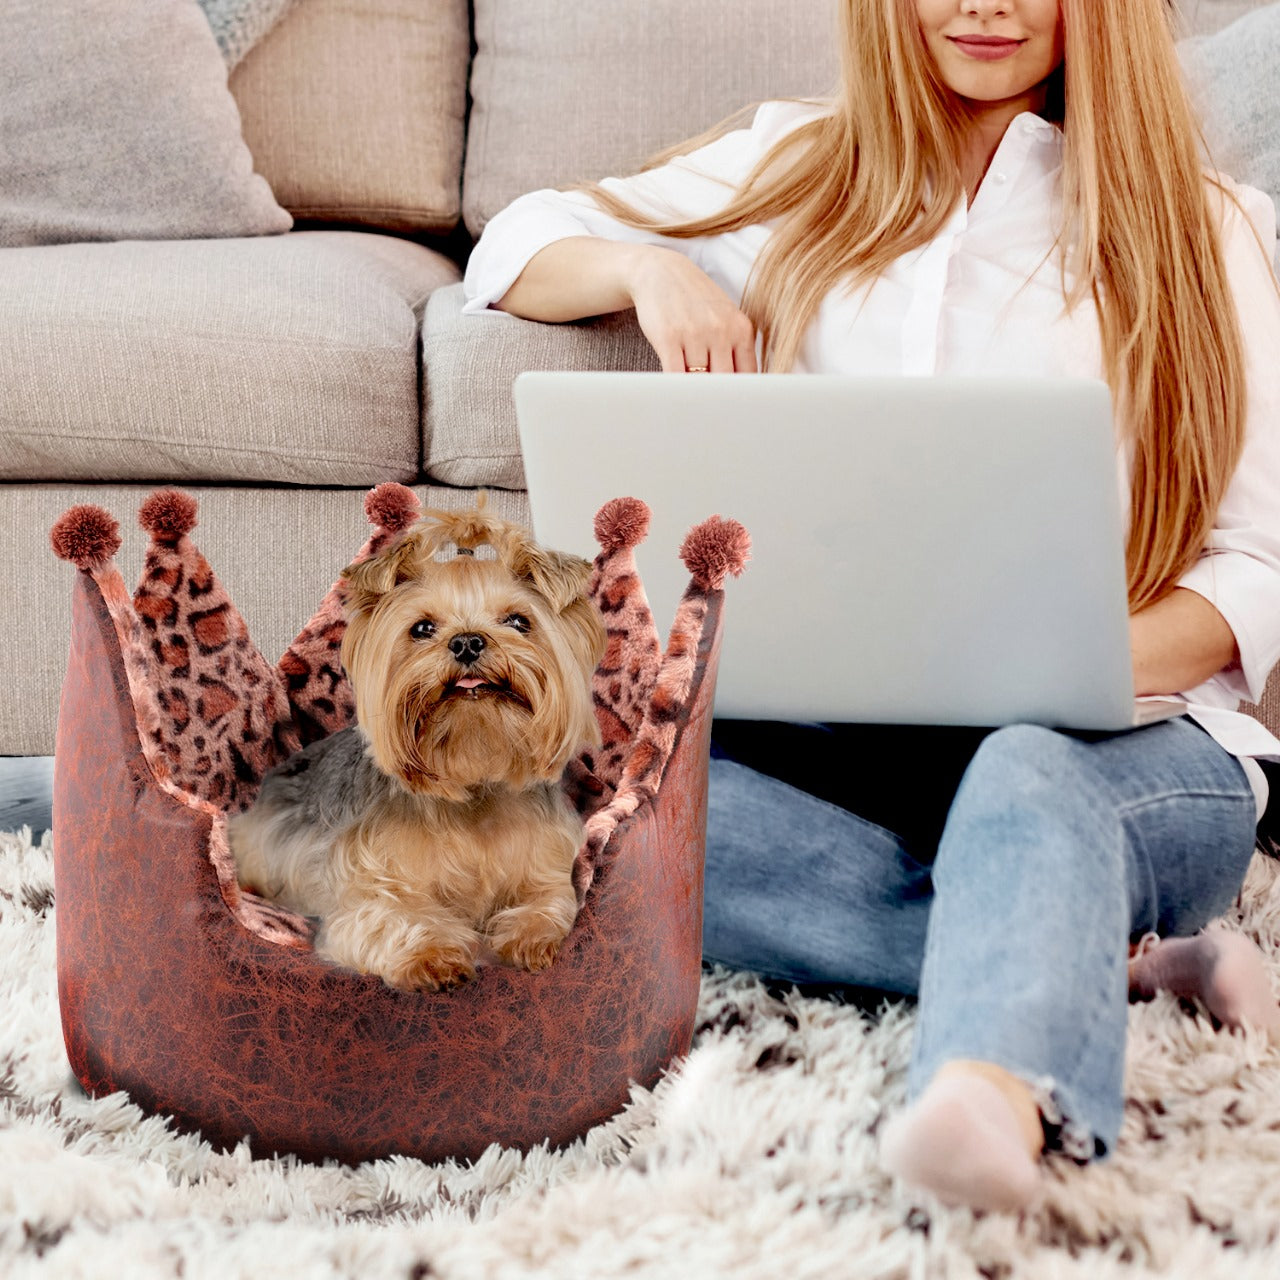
(1178, 643)
(689, 320)
(573, 278)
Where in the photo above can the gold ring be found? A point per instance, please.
(696, 368)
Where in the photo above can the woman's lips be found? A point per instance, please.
(986, 48)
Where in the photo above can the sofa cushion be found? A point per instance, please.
(1203, 17)
(469, 364)
(1234, 75)
(116, 123)
(354, 110)
(569, 92)
(289, 359)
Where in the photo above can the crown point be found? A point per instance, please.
(86, 535)
(622, 522)
(392, 506)
(168, 514)
(714, 549)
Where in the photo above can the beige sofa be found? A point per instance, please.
(277, 378)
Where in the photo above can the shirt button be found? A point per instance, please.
(1000, 177)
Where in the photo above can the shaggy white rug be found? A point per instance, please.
(754, 1158)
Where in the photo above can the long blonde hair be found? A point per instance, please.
(855, 189)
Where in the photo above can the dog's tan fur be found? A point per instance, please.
(440, 834)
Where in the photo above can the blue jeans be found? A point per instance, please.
(1010, 915)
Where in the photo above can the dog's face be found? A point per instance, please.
(469, 670)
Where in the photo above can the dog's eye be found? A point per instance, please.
(423, 629)
(518, 622)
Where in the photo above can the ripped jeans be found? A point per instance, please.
(999, 875)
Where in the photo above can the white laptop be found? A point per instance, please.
(924, 550)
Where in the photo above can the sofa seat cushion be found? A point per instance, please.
(469, 364)
(291, 359)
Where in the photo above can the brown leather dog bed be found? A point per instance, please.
(207, 1004)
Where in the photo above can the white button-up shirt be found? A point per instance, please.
(984, 297)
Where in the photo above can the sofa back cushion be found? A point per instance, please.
(1203, 17)
(1234, 75)
(569, 92)
(355, 109)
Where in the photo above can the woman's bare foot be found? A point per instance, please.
(972, 1138)
(1224, 971)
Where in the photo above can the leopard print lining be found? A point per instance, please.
(224, 715)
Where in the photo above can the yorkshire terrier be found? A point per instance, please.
(433, 834)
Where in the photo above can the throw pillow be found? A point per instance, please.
(239, 24)
(116, 123)
(354, 111)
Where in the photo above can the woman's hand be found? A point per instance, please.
(1178, 643)
(689, 320)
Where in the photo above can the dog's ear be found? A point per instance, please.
(559, 577)
(367, 581)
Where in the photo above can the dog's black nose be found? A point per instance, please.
(467, 648)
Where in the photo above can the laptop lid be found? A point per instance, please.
(924, 550)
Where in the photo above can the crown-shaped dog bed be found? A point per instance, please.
(207, 1004)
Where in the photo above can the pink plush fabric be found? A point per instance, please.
(311, 668)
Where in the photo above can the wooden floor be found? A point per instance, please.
(26, 793)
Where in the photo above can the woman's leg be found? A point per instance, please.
(817, 854)
(1057, 850)
(800, 889)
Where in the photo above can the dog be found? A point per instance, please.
(432, 834)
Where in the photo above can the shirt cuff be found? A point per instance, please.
(1247, 594)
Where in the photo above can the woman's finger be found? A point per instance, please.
(721, 358)
(697, 360)
(744, 356)
(670, 355)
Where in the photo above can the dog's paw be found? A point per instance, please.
(431, 968)
(529, 935)
(529, 947)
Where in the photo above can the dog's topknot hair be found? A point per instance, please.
(168, 514)
(714, 549)
(621, 522)
(86, 535)
(392, 506)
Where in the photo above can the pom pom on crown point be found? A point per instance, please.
(713, 550)
(621, 522)
(392, 506)
(168, 514)
(86, 535)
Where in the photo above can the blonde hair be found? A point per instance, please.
(877, 177)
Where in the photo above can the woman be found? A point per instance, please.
(999, 186)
